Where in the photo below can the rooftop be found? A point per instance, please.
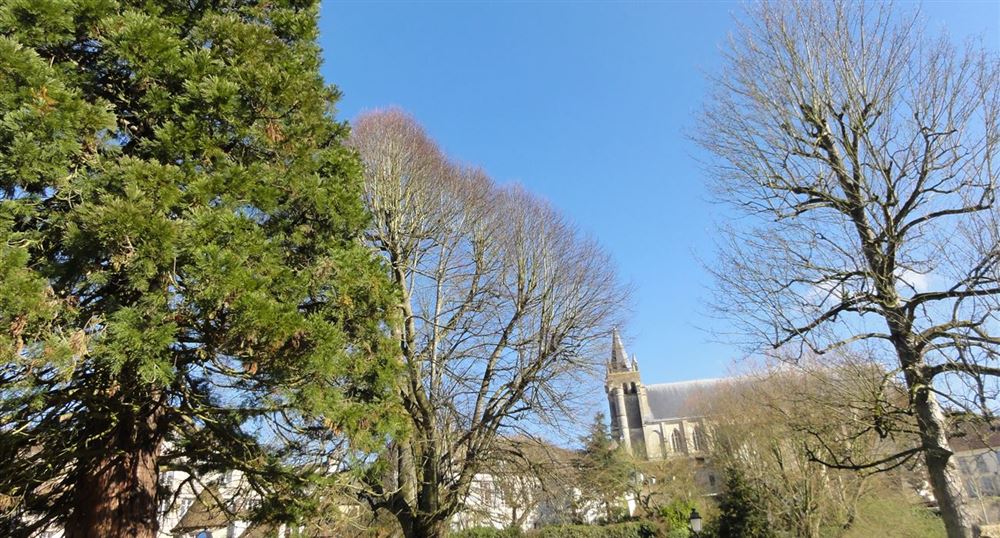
(681, 399)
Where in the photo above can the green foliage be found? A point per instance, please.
(739, 512)
(487, 532)
(179, 250)
(631, 529)
(605, 471)
(676, 517)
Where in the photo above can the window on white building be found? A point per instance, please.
(488, 493)
(987, 486)
(981, 465)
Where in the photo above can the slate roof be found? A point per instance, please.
(974, 436)
(681, 399)
(204, 514)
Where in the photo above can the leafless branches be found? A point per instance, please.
(861, 157)
(503, 302)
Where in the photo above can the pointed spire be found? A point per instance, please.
(619, 359)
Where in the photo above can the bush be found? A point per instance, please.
(488, 532)
(631, 529)
(676, 517)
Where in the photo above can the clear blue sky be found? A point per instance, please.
(586, 104)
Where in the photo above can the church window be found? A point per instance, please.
(677, 441)
(699, 438)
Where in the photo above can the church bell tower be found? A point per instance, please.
(627, 399)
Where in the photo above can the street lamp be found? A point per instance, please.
(695, 521)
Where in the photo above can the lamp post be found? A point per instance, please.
(695, 521)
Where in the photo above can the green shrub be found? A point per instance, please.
(487, 532)
(676, 517)
(631, 529)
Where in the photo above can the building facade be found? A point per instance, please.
(977, 453)
(658, 421)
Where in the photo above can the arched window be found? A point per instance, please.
(699, 439)
(677, 441)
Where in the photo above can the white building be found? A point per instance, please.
(977, 452)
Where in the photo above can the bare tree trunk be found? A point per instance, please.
(419, 528)
(946, 483)
(944, 475)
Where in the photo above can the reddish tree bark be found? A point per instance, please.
(116, 493)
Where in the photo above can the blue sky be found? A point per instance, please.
(586, 104)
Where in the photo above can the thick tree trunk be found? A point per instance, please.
(414, 502)
(946, 482)
(115, 492)
(418, 527)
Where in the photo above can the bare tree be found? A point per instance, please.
(504, 307)
(770, 425)
(861, 159)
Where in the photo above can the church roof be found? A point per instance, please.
(681, 399)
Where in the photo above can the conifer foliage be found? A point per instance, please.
(605, 471)
(740, 514)
(182, 280)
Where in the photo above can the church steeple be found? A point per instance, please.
(619, 359)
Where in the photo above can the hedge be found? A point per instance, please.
(487, 532)
(631, 529)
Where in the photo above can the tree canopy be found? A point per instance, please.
(184, 284)
(506, 308)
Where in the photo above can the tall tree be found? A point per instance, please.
(606, 473)
(861, 159)
(740, 512)
(183, 280)
(504, 307)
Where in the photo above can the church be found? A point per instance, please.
(658, 421)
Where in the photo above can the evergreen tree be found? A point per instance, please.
(606, 472)
(182, 281)
(739, 513)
